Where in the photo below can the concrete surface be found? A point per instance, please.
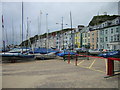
(56, 73)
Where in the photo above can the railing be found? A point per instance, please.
(110, 62)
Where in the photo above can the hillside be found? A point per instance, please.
(101, 18)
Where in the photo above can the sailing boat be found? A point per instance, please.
(13, 56)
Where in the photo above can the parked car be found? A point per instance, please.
(81, 50)
(95, 51)
(111, 54)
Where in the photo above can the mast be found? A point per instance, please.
(47, 32)
(71, 29)
(20, 35)
(28, 32)
(37, 39)
(12, 32)
(3, 33)
(27, 35)
(22, 26)
(40, 29)
(63, 33)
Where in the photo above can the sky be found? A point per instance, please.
(82, 13)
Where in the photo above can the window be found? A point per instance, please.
(92, 46)
(117, 22)
(115, 38)
(106, 39)
(88, 40)
(103, 39)
(107, 46)
(102, 32)
(105, 31)
(114, 47)
(85, 35)
(97, 39)
(111, 38)
(93, 40)
(88, 34)
(100, 39)
(103, 25)
(111, 30)
(92, 34)
(97, 46)
(118, 37)
(117, 30)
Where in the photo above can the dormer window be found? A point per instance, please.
(103, 25)
(117, 22)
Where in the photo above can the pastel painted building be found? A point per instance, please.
(78, 36)
(85, 37)
(77, 40)
(94, 39)
(109, 35)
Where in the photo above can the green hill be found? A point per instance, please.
(101, 18)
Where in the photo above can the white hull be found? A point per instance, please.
(45, 56)
(15, 56)
(95, 52)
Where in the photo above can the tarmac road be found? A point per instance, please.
(54, 73)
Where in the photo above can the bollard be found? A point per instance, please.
(69, 58)
(110, 67)
(76, 60)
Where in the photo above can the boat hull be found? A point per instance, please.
(16, 56)
(45, 56)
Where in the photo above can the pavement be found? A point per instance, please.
(56, 73)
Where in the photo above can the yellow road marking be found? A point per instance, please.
(106, 65)
(83, 66)
(92, 69)
(81, 62)
(92, 64)
(97, 70)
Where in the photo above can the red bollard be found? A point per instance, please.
(76, 61)
(110, 67)
(69, 58)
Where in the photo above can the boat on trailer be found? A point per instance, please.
(43, 53)
(13, 57)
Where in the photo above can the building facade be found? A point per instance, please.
(94, 39)
(109, 35)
